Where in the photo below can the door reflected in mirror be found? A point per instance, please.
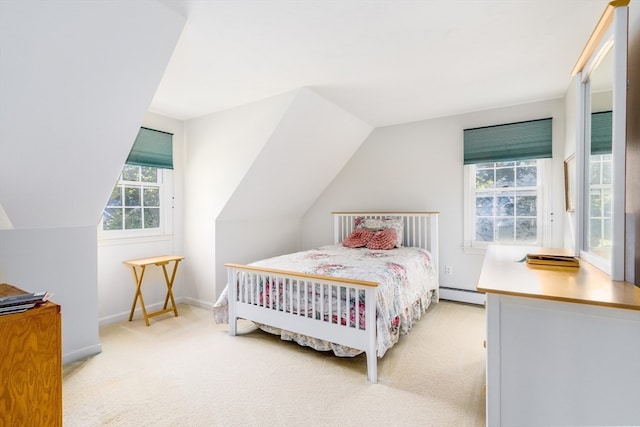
(598, 160)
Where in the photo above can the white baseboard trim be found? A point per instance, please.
(113, 318)
(82, 353)
(462, 295)
(198, 303)
(137, 314)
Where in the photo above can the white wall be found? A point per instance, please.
(243, 241)
(63, 262)
(313, 140)
(419, 166)
(220, 149)
(572, 138)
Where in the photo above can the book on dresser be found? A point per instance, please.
(553, 260)
(18, 303)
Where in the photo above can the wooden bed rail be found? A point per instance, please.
(286, 273)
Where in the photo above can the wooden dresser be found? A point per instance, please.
(563, 343)
(30, 365)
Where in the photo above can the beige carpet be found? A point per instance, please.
(187, 371)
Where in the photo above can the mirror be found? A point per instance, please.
(601, 153)
(598, 158)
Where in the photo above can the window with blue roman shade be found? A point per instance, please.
(507, 142)
(152, 148)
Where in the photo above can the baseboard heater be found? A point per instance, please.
(462, 295)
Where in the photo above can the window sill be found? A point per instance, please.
(474, 250)
(481, 250)
(130, 240)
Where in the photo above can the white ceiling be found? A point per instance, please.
(384, 61)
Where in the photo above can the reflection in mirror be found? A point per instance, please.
(598, 159)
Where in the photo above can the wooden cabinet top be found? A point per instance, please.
(157, 260)
(503, 272)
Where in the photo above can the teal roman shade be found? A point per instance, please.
(152, 148)
(601, 133)
(508, 142)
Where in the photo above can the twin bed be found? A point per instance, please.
(358, 295)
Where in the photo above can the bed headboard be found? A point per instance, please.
(420, 228)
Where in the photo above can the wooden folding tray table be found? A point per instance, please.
(138, 275)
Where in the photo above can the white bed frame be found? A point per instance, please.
(420, 229)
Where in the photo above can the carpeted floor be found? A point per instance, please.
(187, 371)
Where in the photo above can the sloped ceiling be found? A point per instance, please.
(76, 79)
(222, 148)
(385, 61)
(308, 147)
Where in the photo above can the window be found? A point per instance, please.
(599, 203)
(140, 202)
(135, 201)
(504, 177)
(600, 195)
(505, 203)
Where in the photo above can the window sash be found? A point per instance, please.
(163, 183)
(516, 194)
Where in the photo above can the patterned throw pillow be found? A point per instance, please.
(383, 239)
(358, 238)
(394, 222)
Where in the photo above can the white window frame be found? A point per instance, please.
(543, 210)
(165, 183)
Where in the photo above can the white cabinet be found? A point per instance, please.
(557, 359)
(557, 363)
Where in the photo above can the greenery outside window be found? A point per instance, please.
(135, 201)
(504, 203)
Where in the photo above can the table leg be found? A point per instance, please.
(169, 282)
(138, 294)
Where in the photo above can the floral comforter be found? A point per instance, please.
(407, 285)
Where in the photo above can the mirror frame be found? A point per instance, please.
(609, 34)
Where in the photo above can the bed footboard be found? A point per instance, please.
(333, 309)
